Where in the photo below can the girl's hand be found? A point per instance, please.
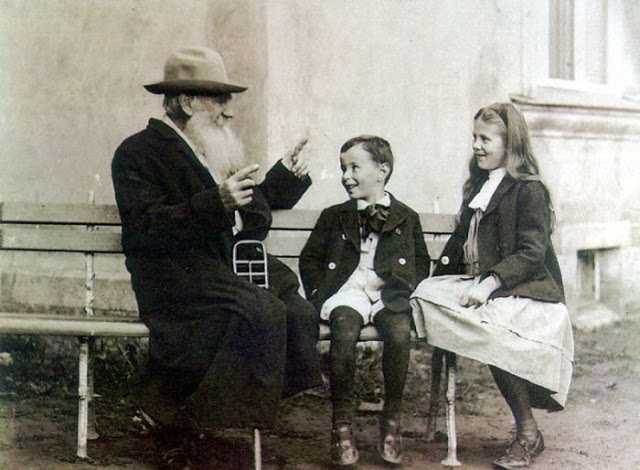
(479, 292)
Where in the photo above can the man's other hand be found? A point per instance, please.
(296, 163)
(236, 191)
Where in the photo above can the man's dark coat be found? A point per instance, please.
(514, 242)
(223, 347)
(332, 254)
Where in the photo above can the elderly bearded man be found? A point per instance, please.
(221, 349)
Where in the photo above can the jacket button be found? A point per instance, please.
(402, 261)
(398, 231)
(444, 260)
(332, 265)
(343, 236)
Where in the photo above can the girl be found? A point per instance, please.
(498, 296)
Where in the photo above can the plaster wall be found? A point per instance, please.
(590, 179)
(589, 159)
(412, 71)
(71, 86)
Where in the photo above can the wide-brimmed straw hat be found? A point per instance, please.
(197, 70)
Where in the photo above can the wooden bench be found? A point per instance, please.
(95, 230)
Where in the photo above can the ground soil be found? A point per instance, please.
(598, 430)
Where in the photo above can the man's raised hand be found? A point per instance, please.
(295, 163)
(237, 190)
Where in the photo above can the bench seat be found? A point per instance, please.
(59, 325)
(17, 323)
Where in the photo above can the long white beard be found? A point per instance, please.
(222, 149)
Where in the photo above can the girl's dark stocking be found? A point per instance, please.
(516, 393)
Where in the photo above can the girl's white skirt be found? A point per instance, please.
(528, 338)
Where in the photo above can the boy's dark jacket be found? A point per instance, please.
(514, 242)
(332, 254)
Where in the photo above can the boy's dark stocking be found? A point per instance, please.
(345, 325)
(395, 329)
(516, 393)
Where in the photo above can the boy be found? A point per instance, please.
(361, 262)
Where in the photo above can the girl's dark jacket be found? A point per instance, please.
(332, 253)
(216, 340)
(514, 242)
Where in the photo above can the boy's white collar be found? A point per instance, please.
(385, 200)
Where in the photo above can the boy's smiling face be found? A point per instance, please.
(362, 177)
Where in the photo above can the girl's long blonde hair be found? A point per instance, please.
(521, 163)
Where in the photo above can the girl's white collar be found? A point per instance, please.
(481, 200)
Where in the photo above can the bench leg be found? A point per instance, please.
(92, 433)
(452, 459)
(257, 450)
(83, 399)
(434, 398)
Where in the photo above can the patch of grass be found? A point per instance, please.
(48, 366)
(40, 366)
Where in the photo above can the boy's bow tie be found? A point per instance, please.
(372, 219)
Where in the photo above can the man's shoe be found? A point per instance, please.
(343, 447)
(176, 459)
(390, 444)
(177, 448)
(520, 453)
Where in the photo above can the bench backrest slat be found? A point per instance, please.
(285, 244)
(294, 219)
(281, 244)
(80, 214)
(50, 239)
(301, 219)
(438, 223)
(59, 227)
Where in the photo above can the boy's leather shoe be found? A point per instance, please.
(343, 447)
(390, 444)
(520, 453)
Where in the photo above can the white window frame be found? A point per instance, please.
(567, 56)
